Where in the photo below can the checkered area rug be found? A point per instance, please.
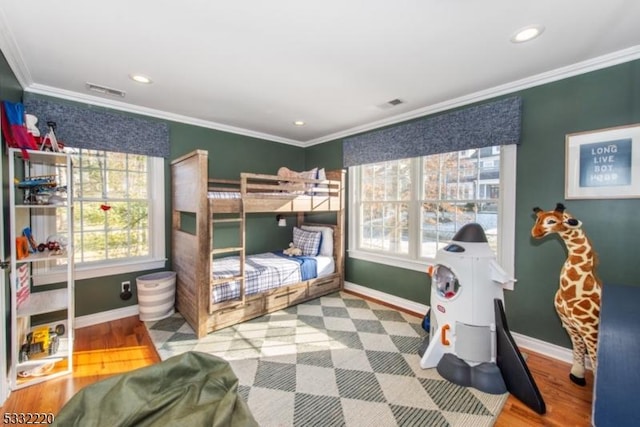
(338, 360)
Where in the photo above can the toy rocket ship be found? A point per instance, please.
(467, 323)
(465, 282)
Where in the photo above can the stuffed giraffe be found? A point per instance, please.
(577, 300)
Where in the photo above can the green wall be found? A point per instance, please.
(596, 100)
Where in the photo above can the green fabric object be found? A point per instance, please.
(192, 389)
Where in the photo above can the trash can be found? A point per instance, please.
(156, 295)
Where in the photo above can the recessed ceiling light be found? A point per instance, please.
(527, 33)
(299, 123)
(140, 78)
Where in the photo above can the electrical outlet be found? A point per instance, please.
(125, 286)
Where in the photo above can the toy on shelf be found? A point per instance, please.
(25, 244)
(50, 142)
(36, 352)
(41, 190)
(577, 300)
(22, 247)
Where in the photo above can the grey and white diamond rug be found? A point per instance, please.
(338, 360)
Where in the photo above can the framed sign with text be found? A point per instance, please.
(603, 164)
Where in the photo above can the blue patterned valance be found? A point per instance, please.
(85, 126)
(493, 123)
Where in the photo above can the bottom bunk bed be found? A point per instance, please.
(273, 281)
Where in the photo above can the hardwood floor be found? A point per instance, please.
(122, 345)
(100, 351)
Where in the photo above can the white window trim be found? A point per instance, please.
(506, 222)
(157, 234)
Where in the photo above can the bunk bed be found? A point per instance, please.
(210, 294)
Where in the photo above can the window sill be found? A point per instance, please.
(408, 264)
(88, 272)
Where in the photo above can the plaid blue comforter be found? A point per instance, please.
(262, 272)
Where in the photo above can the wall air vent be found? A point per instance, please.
(105, 90)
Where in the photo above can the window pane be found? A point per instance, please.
(87, 184)
(385, 227)
(464, 179)
(137, 185)
(89, 217)
(384, 219)
(117, 184)
(93, 246)
(111, 206)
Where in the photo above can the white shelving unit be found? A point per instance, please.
(45, 356)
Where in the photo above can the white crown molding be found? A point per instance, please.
(130, 108)
(609, 60)
(526, 343)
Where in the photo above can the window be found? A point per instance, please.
(403, 211)
(118, 217)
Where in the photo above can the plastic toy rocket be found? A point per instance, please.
(464, 284)
(469, 342)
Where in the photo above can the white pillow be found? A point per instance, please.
(326, 246)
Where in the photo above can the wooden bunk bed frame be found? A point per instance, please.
(192, 250)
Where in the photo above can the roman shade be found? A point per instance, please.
(90, 127)
(484, 125)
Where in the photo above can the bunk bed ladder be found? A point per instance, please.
(240, 250)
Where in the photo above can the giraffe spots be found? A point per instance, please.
(578, 241)
(586, 267)
(573, 275)
(589, 283)
(568, 293)
(581, 250)
(575, 259)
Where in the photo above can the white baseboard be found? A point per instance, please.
(106, 316)
(522, 341)
(406, 304)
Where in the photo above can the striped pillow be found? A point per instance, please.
(307, 241)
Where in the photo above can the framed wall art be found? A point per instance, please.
(603, 164)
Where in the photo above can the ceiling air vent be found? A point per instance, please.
(391, 104)
(105, 90)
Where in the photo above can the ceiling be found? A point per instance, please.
(254, 67)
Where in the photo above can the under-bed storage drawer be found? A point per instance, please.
(324, 286)
(285, 297)
(252, 308)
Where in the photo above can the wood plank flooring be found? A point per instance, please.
(122, 345)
